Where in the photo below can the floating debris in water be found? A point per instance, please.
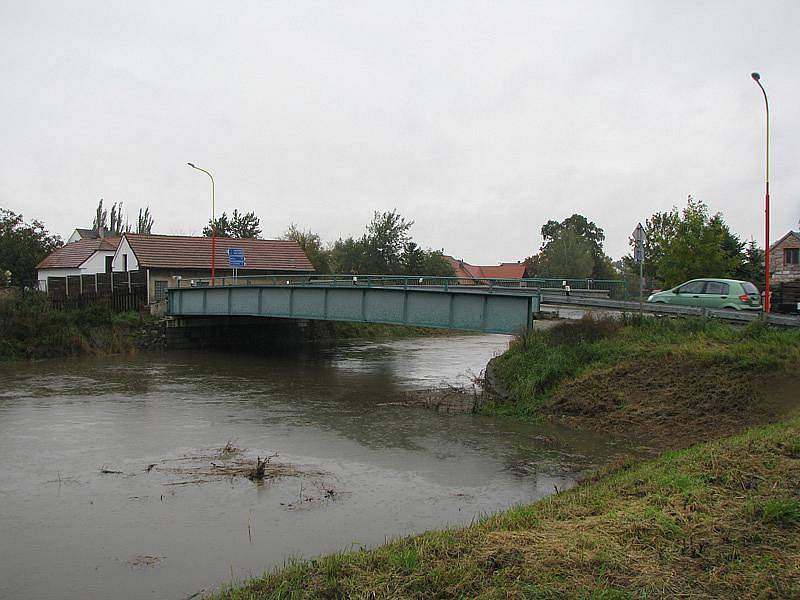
(143, 561)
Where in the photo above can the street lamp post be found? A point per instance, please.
(213, 224)
(757, 78)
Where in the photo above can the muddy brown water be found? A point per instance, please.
(68, 530)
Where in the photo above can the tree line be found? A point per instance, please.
(681, 244)
(386, 248)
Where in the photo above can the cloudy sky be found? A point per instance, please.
(478, 120)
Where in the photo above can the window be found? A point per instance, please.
(791, 256)
(693, 287)
(750, 289)
(109, 264)
(124, 262)
(717, 288)
(160, 290)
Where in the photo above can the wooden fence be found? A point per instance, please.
(786, 296)
(124, 291)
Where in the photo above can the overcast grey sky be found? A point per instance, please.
(479, 120)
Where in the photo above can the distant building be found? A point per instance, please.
(88, 234)
(82, 257)
(168, 258)
(517, 270)
(784, 257)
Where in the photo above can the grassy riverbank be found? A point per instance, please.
(31, 328)
(672, 381)
(718, 520)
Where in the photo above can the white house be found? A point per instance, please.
(165, 259)
(83, 257)
(168, 258)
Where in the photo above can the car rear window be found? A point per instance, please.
(750, 289)
(717, 287)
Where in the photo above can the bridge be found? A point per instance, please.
(469, 304)
(483, 306)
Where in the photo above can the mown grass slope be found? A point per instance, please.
(720, 520)
(674, 381)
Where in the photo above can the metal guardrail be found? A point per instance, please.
(736, 316)
(613, 287)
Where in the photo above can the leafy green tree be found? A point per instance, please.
(100, 223)
(239, 225)
(386, 247)
(116, 226)
(384, 242)
(437, 265)
(752, 266)
(221, 227)
(347, 256)
(591, 233)
(22, 246)
(689, 244)
(109, 223)
(413, 259)
(144, 223)
(569, 254)
(312, 246)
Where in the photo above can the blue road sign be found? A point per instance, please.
(236, 257)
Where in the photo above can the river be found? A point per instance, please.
(368, 469)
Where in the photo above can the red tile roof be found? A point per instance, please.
(185, 252)
(501, 271)
(504, 271)
(72, 256)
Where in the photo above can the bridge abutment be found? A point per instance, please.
(240, 334)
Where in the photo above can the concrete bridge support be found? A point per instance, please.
(241, 334)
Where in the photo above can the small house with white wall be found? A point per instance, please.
(83, 257)
(166, 259)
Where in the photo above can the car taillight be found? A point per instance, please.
(744, 298)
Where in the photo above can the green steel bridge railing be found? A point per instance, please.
(611, 288)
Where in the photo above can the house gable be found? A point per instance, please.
(784, 258)
(124, 249)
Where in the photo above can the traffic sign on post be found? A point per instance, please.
(639, 237)
(236, 257)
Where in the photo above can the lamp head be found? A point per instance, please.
(755, 76)
(191, 165)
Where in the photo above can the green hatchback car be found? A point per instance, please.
(712, 293)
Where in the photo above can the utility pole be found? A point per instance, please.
(639, 238)
(213, 224)
(767, 300)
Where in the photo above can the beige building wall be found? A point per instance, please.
(780, 270)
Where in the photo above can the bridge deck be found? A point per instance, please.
(492, 311)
